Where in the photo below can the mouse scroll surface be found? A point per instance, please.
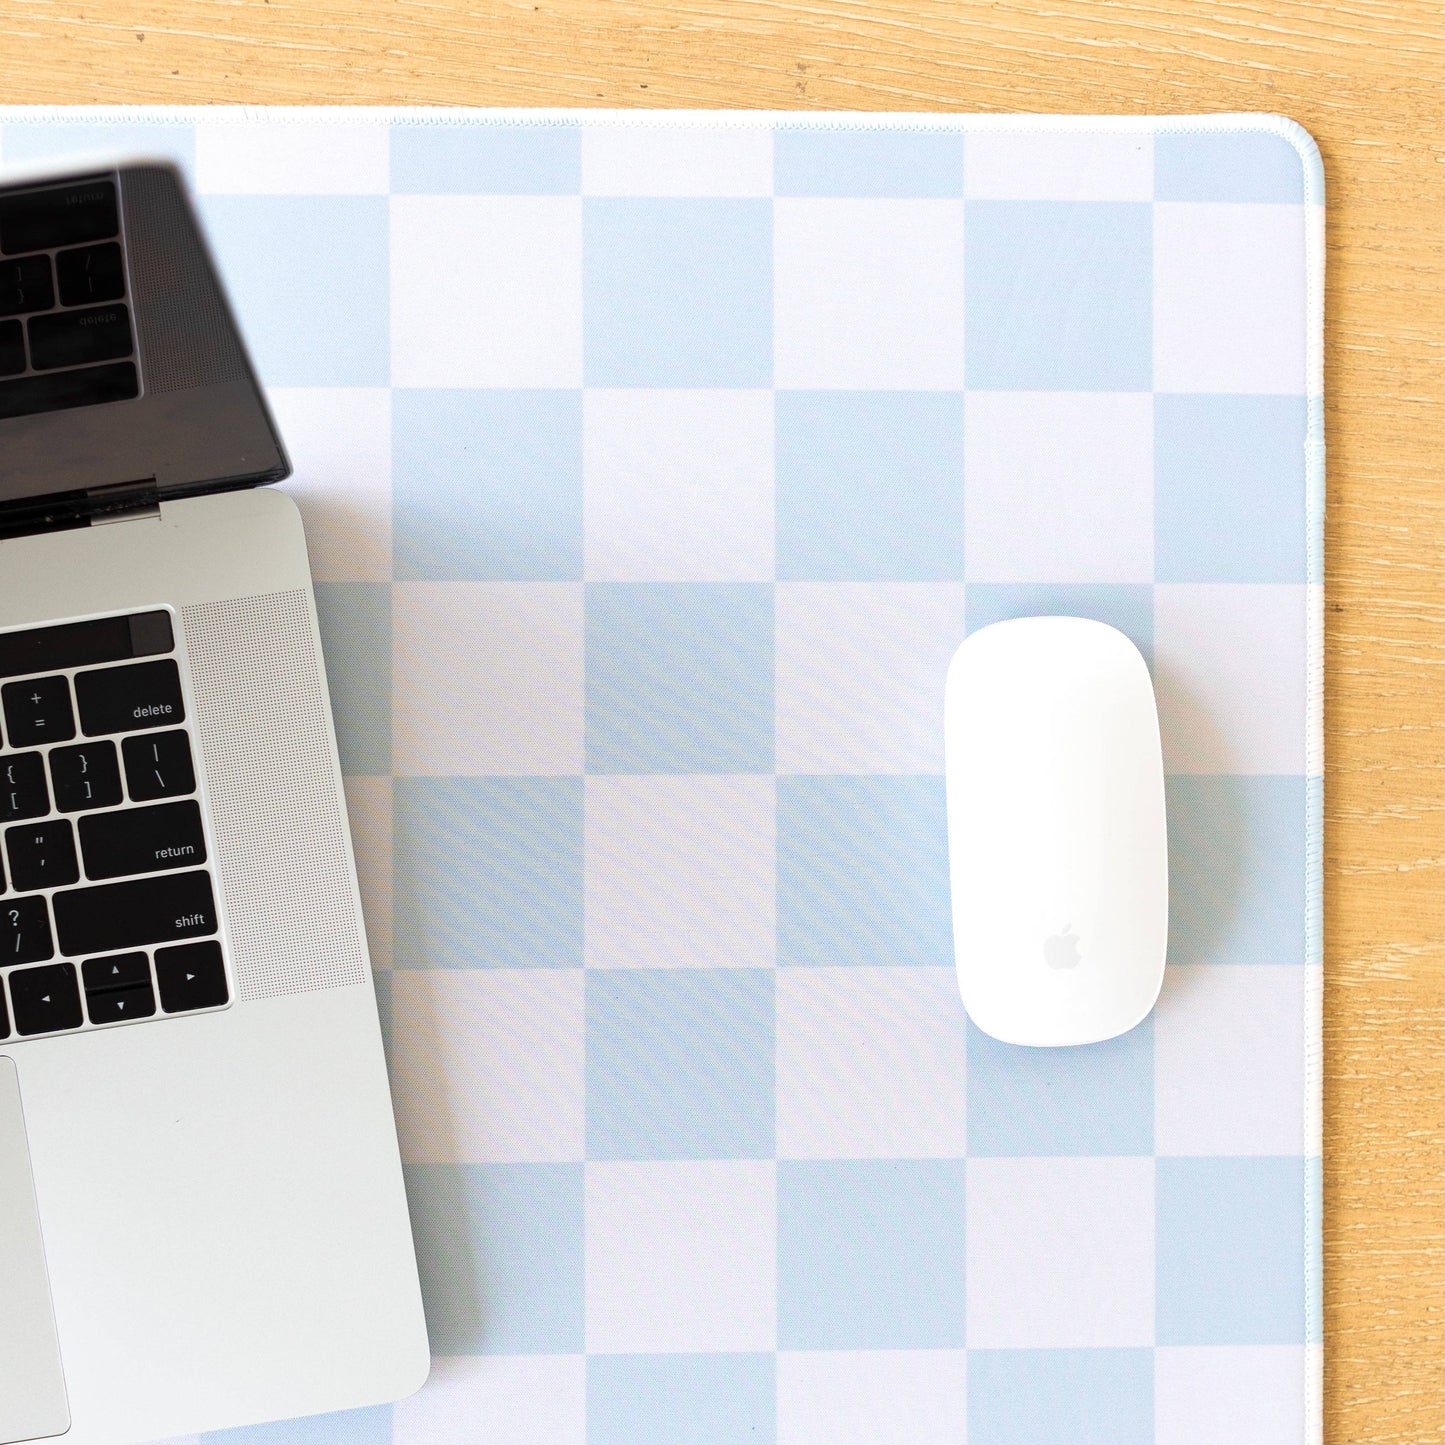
(32, 1389)
(1057, 847)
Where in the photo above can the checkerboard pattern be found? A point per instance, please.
(652, 472)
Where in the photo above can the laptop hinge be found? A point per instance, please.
(60, 511)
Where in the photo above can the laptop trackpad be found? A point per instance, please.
(32, 1388)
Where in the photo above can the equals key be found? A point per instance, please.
(38, 711)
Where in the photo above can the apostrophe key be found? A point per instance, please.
(41, 855)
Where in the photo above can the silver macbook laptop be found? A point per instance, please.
(202, 1218)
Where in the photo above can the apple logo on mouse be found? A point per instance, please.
(1061, 950)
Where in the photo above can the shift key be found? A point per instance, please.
(114, 916)
(125, 699)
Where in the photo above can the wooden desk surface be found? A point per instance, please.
(1364, 77)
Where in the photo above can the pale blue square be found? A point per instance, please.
(677, 292)
(1229, 488)
(481, 159)
(63, 141)
(863, 872)
(499, 1249)
(371, 1426)
(680, 1063)
(1125, 605)
(487, 485)
(1091, 1099)
(867, 163)
(869, 486)
(355, 621)
(1061, 1397)
(1059, 295)
(308, 277)
(679, 677)
(1236, 869)
(871, 1254)
(488, 872)
(681, 1399)
(1229, 1244)
(1240, 166)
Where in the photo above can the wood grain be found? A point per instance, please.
(1364, 77)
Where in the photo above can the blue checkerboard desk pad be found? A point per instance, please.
(652, 473)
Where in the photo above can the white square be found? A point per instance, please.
(868, 294)
(1058, 486)
(497, 1400)
(487, 1065)
(486, 291)
(872, 1397)
(1058, 166)
(677, 160)
(1060, 1253)
(860, 670)
(678, 486)
(870, 1064)
(1245, 1395)
(487, 679)
(681, 1257)
(1230, 676)
(1229, 298)
(339, 439)
(679, 872)
(295, 158)
(368, 807)
(1228, 1058)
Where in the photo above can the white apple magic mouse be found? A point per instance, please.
(1057, 849)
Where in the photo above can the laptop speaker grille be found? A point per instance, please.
(285, 868)
(186, 336)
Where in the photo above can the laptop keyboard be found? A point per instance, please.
(107, 905)
(65, 330)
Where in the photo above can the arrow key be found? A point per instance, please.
(191, 975)
(45, 999)
(116, 1005)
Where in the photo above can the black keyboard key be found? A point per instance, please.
(42, 855)
(22, 787)
(90, 275)
(158, 765)
(59, 216)
(113, 916)
(85, 776)
(117, 1005)
(120, 970)
(142, 840)
(24, 931)
(190, 977)
(38, 711)
(126, 699)
(12, 348)
(25, 286)
(73, 338)
(4, 1017)
(57, 391)
(46, 999)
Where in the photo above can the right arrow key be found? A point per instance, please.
(191, 976)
